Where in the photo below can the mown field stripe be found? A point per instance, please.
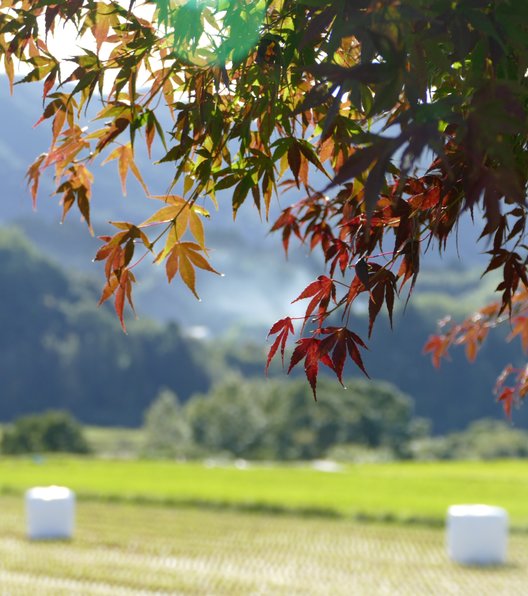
(12, 582)
(171, 551)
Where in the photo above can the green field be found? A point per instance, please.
(179, 528)
(395, 491)
(114, 441)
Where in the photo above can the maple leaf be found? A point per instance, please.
(294, 161)
(73, 142)
(183, 258)
(120, 286)
(184, 215)
(124, 294)
(339, 254)
(118, 251)
(105, 17)
(125, 161)
(114, 130)
(308, 349)
(33, 176)
(341, 340)
(520, 327)
(177, 213)
(426, 200)
(50, 82)
(77, 188)
(321, 291)
(289, 223)
(437, 345)
(383, 288)
(473, 335)
(283, 327)
(151, 127)
(314, 350)
(507, 396)
(51, 12)
(362, 271)
(356, 288)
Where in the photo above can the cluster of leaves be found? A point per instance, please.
(450, 82)
(512, 384)
(360, 91)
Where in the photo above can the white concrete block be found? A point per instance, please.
(477, 534)
(50, 512)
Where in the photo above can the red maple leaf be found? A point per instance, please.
(321, 292)
(308, 348)
(437, 345)
(313, 350)
(339, 340)
(507, 398)
(283, 327)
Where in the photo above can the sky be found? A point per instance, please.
(65, 43)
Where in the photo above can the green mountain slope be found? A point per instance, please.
(58, 350)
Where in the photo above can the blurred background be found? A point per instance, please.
(175, 425)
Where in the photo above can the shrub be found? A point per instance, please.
(279, 420)
(167, 433)
(483, 439)
(52, 431)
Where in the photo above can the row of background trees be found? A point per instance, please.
(271, 421)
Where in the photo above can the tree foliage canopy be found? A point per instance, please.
(414, 112)
(167, 432)
(275, 420)
(52, 431)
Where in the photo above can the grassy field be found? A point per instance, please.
(115, 441)
(131, 550)
(134, 536)
(396, 491)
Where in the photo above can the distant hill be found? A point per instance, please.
(58, 350)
